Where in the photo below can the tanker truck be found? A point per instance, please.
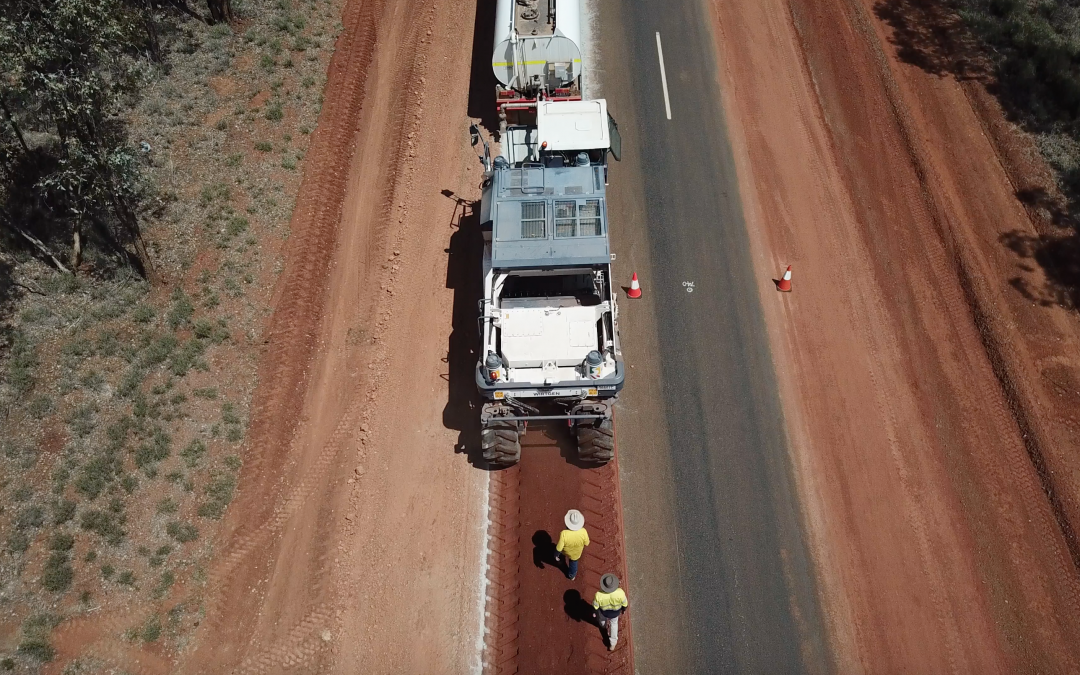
(549, 331)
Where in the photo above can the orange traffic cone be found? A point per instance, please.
(635, 288)
(785, 282)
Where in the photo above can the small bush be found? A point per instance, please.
(143, 314)
(126, 578)
(37, 648)
(152, 630)
(61, 542)
(219, 493)
(63, 510)
(263, 146)
(159, 350)
(106, 524)
(208, 393)
(167, 505)
(22, 362)
(181, 311)
(182, 532)
(29, 518)
(165, 582)
(18, 542)
(98, 473)
(193, 452)
(274, 113)
(288, 163)
(129, 483)
(184, 358)
(107, 572)
(213, 193)
(58, 573)
(81, 420)
(40, 406)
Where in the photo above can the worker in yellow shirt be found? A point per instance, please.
(610, 602)
(572, 541)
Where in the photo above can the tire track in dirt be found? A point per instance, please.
(928, 510)
(358, 414)
(254, 520)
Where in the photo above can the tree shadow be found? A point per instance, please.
(930, 35)
(482, 80)
(1038, 92)
(462, 410)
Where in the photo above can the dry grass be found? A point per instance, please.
(124, 405)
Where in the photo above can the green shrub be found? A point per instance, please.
(152, 630)
(159, 350)
(98, 473)
(30, 517)
(106, 524)
(143, 314)
(37, 648)
(274, 113)
(156, 450)
(63, 510)
(219, 493)
(126, 578)
(184, 358)
(167, 505)
(193, 452)
(58, 573)
(22, 361)
(181, 311)
(61, 541)
(263, 146)
(107, 571)
(182, 532)
(18, 542)
(40, 406)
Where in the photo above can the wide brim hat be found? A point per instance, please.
(609, 583)
(574, 520)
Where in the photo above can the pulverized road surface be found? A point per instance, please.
(720, 579)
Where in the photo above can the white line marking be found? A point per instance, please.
(663, 74)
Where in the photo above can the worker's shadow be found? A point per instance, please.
(544, 551)
(577, 608)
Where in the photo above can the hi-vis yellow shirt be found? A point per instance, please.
(573, 543)
(610, 601)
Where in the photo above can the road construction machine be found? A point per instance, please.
(549, 330)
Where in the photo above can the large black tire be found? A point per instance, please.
(501, 443)
(596, 442)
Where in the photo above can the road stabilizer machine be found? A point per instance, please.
(549, 329)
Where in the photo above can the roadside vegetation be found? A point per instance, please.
(150, 154)
(1033, 47)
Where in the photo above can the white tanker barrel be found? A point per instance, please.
(520, 56)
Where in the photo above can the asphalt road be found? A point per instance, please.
(720, 578)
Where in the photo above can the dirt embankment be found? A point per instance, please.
(931, 403)
(346, 542)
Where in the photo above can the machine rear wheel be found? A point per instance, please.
(596, 442)
(501, 443)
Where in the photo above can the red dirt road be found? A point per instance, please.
(933, 441)
(356, 534)
(539, 621)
